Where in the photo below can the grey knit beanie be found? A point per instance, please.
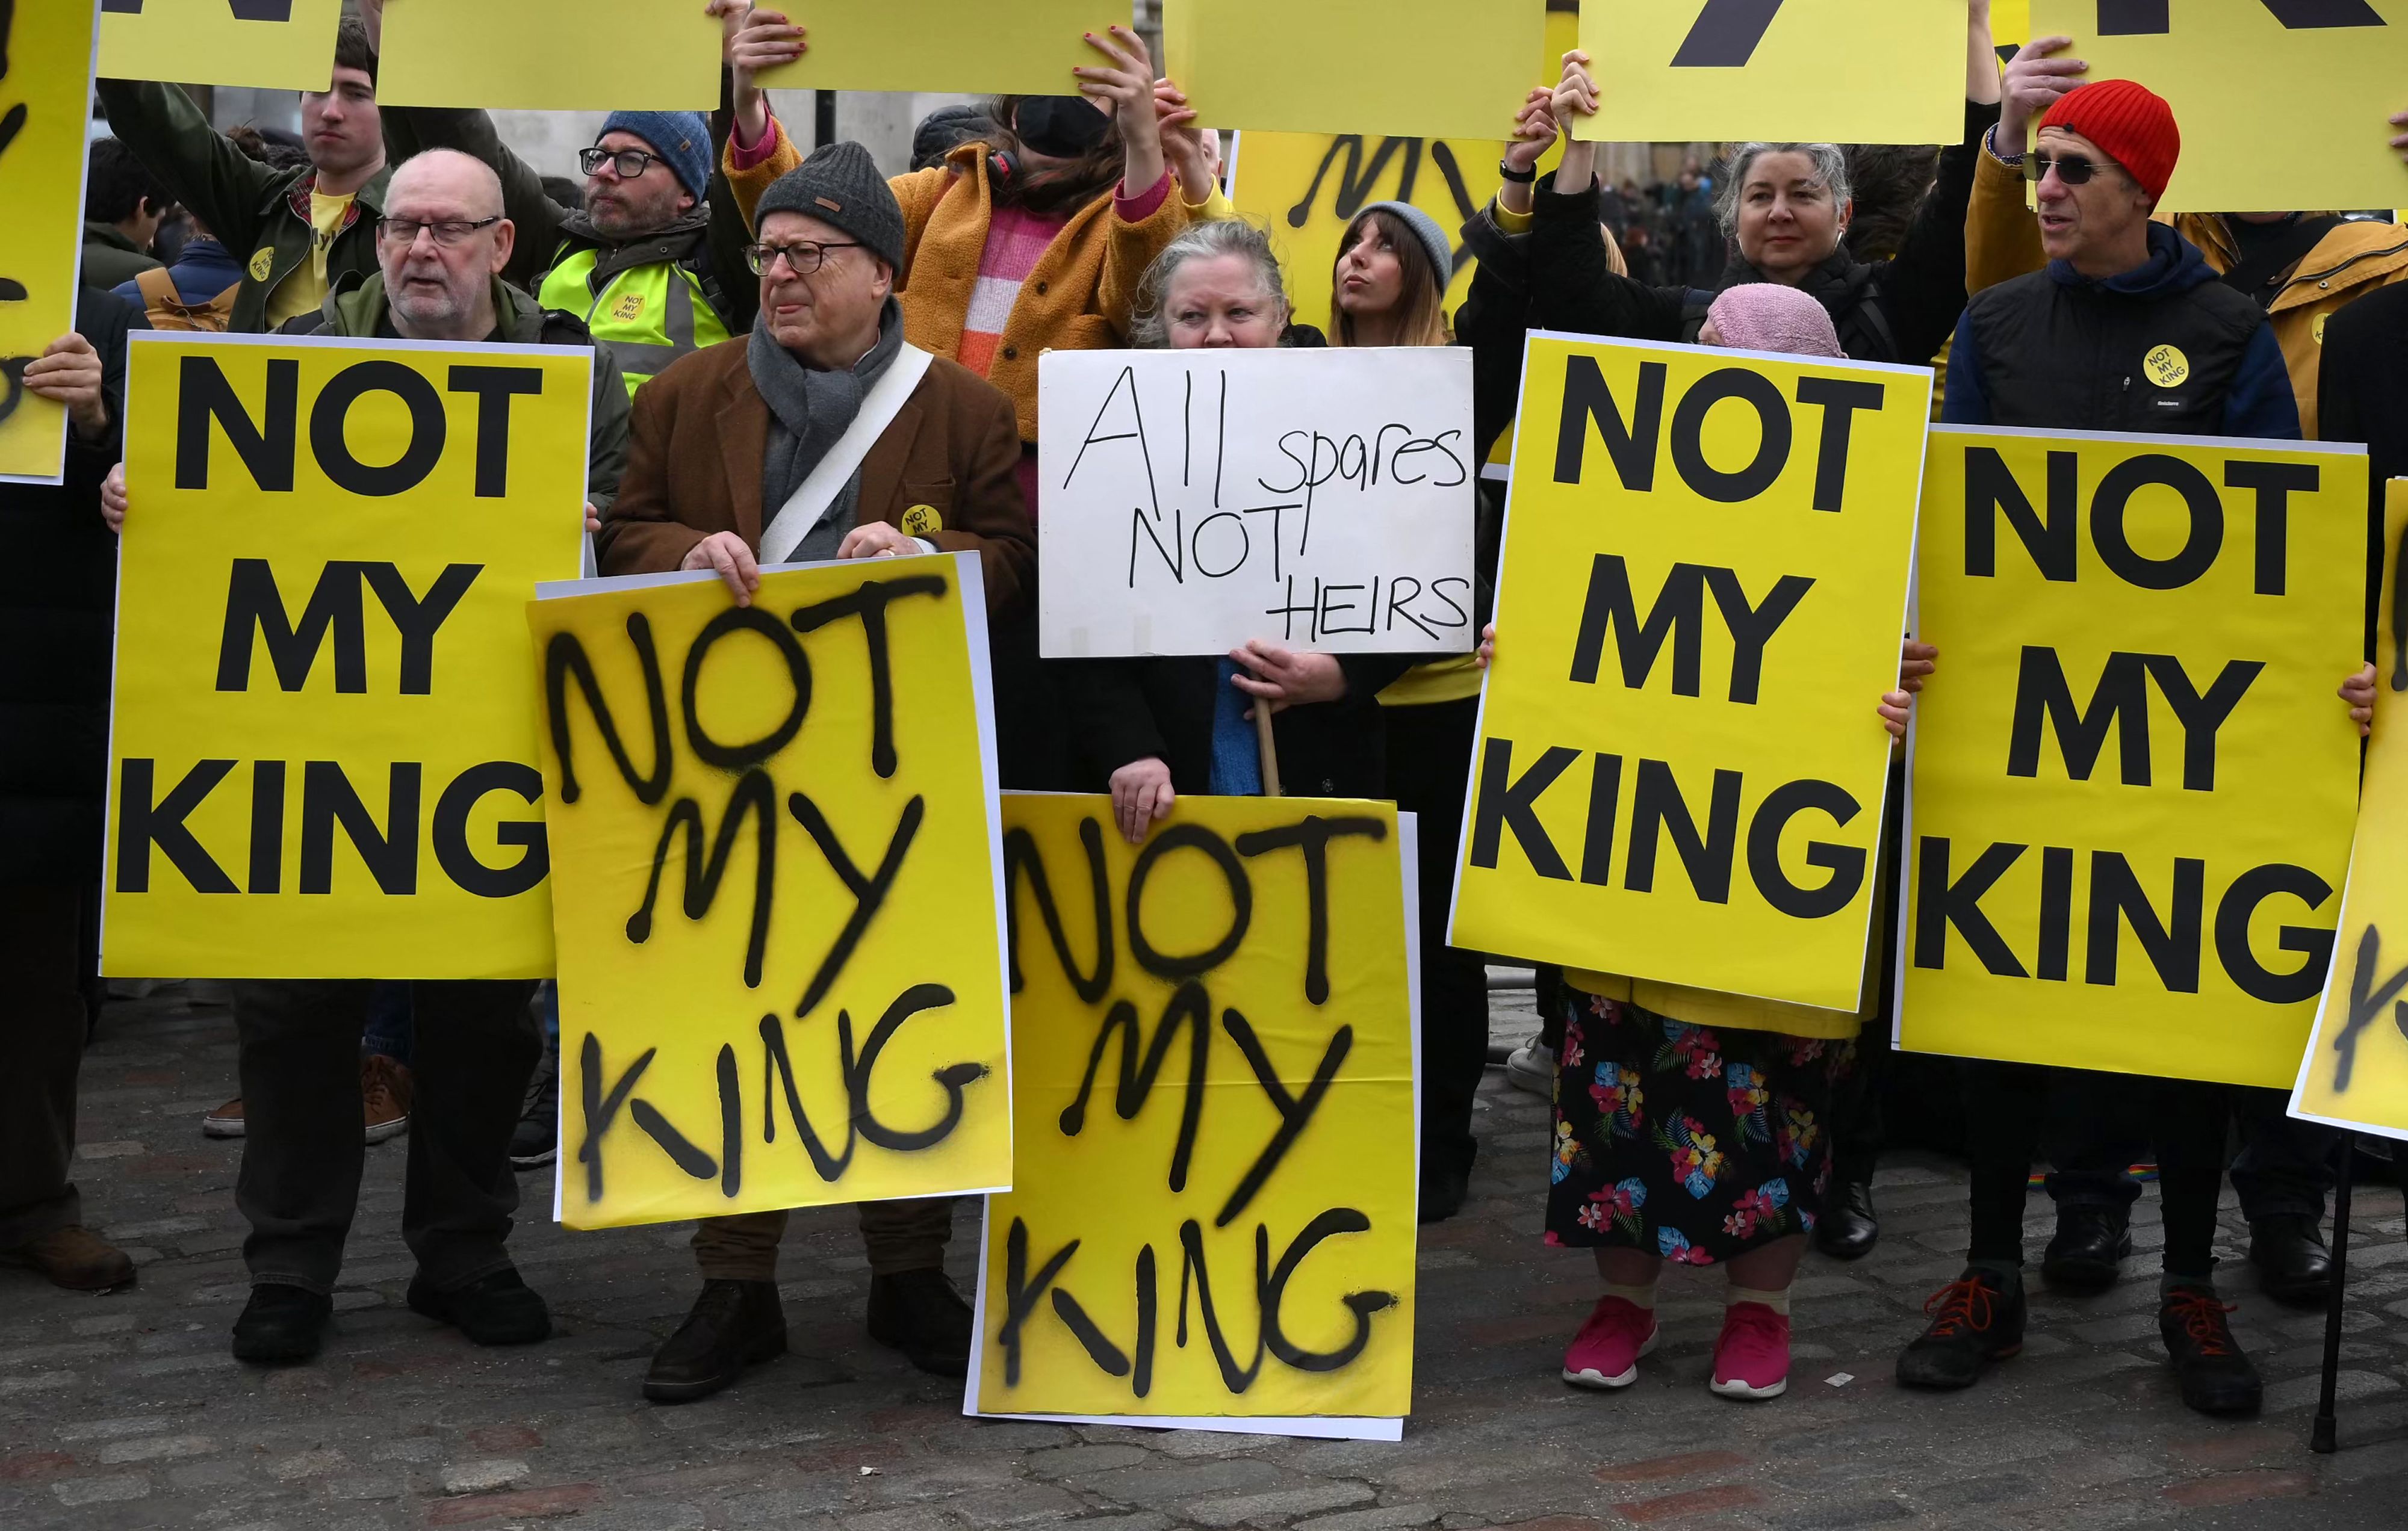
(1434, 241)
(839, 184)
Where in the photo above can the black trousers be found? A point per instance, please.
(1430, 772)
(2007, 1111)
(475, 1049)
(42, 1024)
(1859, 1126)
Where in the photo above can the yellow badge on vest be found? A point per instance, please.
(629, 307)
(922, 520)
(263, 263)
(2317, 328)
(2166, 367)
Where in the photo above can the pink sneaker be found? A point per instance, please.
(1605, 1354)
(1752, 1355)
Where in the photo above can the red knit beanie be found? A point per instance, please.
(2130, 121)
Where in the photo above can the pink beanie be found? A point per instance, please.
(1766, 316)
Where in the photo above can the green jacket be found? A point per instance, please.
(260, 215)
(109, 257)
(356, 309)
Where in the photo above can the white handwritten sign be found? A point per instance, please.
(1194, 499)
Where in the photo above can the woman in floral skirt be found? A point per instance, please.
(1690, 1126)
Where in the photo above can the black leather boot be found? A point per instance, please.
(281, 1326)
(2088, 1252)
(734, 1324)
(496, 1309)
(2216, 1379)
(918, 1313)
(2293, 1264)
(1849, 1227)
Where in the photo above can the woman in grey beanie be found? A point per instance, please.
(1389, 289)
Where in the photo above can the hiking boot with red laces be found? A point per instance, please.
(2216, 1379)
(1976, 1319)
(1752, 1356)
(1605, 1354)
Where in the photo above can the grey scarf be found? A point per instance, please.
(809, 412)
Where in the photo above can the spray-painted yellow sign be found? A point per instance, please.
(1213, 1094)
(2356, 1071)
(2338, 68)
(778, 899)
(325, 737)
(1703, 587)
(268, 44)
(1842, 71)
(45, 102)
(2133, 784)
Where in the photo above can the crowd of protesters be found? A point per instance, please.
(757, 311)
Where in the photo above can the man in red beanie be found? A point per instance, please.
(2127, 330)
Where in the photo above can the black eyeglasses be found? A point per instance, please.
(448, 232)
(2072, 169)
(802, 258)
(629, 163)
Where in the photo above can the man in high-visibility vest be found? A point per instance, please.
(645, 261)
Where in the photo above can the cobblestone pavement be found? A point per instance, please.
(125, 1412)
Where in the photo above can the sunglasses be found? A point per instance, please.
(2072, 169)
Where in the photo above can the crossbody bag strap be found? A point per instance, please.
(802, 512)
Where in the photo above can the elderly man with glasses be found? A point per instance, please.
(726, 475)
(442, 243)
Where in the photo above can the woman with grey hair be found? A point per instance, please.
(1154, 729)
(1785, 209)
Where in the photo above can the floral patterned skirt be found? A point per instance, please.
(1694, 1144)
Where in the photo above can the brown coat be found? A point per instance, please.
(701, 431)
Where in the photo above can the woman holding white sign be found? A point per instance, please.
(1162, 726)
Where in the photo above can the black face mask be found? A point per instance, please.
(1062, 127)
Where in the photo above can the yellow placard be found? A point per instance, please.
(550, 55)
(2133, 784)
(2340, 68)
(778, 899)
(45, 99)
(324, 735)
(1703, 584)
(269, 45)
(1026, 48)
(1414, 68)
(1213, 1215)
(1839, 71)
(1307, 187)
(2011, 24)
(2356, 1071)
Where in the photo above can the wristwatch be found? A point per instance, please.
(1519, 178)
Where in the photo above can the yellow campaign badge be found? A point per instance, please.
(324, 731)
(1839, 71)
(263, 261)
(268, 44)
(2134, 785)
(1026, 47)
(779, 893)
(551, 55)
(1431, 68)
(1703, 583)
(2336, 65)
(2356, 1070)
(44, 104)
(1212, 1209)
(2166, 367)
(629, 307)
(922, 520)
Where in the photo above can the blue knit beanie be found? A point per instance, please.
(681, 138)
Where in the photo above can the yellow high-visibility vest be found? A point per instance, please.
(646, 317)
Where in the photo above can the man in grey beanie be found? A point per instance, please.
(822, 436)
